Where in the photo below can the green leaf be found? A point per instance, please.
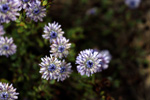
(44, 3)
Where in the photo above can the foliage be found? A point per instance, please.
(113, 26)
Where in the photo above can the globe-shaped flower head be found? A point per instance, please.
(52, 31)
(8, 10)
(105, 58)
(7, 47)
(60, 47)
(36, 11)
(64, 71)
(88, 62)
(133, 3)
(49, 67)
(7, 92)
(2, 32)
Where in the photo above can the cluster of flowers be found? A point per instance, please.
(133, 3)
(7, 92)
(91, 61)
(9, 10)
(7, 47)
(55, 66)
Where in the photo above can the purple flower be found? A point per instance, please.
(64, 71)
(52, 31)
(7, 47)
(60, 47)
(49, 67)
(88, 62)
(2, 32)
(105, 58)
(133, 3)
(7, 92)
(24, 4)
(92, 11)
(9, 10)
(36, 11)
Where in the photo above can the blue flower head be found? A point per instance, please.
(4, 8)
(50, 67)
(52, 31)
(7, 47)
(88, 62)
(60, 47)
(7, 92)
(64, 71)
(9, 10)
(105, 58)
(133, 3)
(36, 11)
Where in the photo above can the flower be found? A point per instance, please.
(88, 62)
(60, 47)
(7, 47)
(24, 4)
(52, 31)
(92, 11)
(64, 71)
(133, 3)
(2, 32)
(7, 92)
(36, 11)
(8, 10)
(105, 57)
(49, 67)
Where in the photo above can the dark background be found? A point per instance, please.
(113, 26)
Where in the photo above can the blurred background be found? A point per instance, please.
(95, 24)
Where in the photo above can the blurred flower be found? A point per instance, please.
(7, 92)
(105, 58)
(36, 11)
(2, 32)
(7, 47)
(60, 47)
(49, 67)
(8, 10)
(91, 11)
(52, 31)
(88, 62)
(26, 3)
(64, 71)
(133, 3)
